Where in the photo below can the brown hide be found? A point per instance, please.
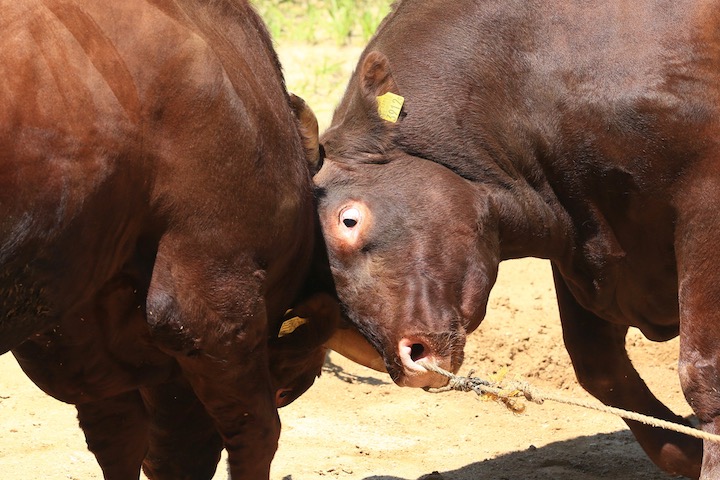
(581, 132)
(157, 222)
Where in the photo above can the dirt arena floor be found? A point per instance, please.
(355, 424)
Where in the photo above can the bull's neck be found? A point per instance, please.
(531, 220)
(530, 223)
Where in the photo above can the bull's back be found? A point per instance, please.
(515, 72)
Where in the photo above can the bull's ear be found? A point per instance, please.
(379, 87)
(319, 322)
(376, 76)
(309, 132)
(319, 315)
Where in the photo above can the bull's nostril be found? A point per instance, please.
(416, 351)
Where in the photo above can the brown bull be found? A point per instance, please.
(582, 132)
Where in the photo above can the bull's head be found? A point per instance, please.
(412, 246)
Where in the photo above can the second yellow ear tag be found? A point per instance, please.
(289, 326)
(389, 106)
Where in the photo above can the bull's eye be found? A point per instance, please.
(283, 397)
(350, 217)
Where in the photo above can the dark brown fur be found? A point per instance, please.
(582, 132)
(157, 222)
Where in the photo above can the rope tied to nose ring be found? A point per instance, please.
(512, 392)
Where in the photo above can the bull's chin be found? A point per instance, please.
(420, 378)
(352, 345)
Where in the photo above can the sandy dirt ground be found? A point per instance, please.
(355, 424)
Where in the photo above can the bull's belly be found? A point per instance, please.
(87, 359)
(647, 302)
(641, 293)
(86, 376)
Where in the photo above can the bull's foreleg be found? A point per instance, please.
(116, 431)
(243, 411)
(602, 366)
(184, 443)
(214, 324)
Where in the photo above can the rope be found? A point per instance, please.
(514, 390)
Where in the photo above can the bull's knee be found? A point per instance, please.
(700, 381)
(597, 381)
(166, 325)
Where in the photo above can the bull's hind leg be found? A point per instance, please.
(116, 431)
(184, 443)
(699, 294)
(210, 316)
(597, 351)
(700, 378)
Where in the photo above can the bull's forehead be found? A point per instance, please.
(390, 175)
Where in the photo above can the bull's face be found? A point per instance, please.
(413, 251)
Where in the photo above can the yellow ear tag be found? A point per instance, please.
(289, 326)
(389, 106)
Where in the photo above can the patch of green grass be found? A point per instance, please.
(341, 22)
(341, 12)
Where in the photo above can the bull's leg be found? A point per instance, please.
(116, 431)
(597, 351)
(184, 443)
(700, 378)
(211, 318)
(699, 292)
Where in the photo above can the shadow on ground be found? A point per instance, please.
(615, 456)
(332, 369)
